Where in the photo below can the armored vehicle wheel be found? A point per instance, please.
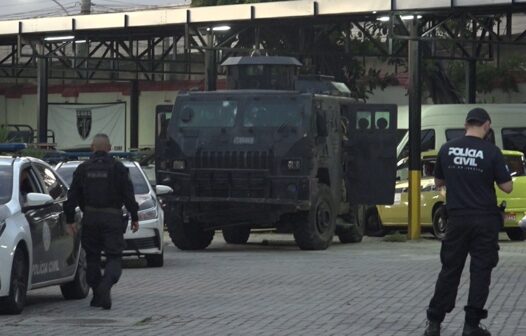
(314, 230)
(355, 233)
(439, 226)
(236, 234)
(515, 234)
(14, 303)
(78, 288)
(190, 235)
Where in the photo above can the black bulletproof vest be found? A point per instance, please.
(99, 187)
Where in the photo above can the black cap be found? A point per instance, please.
(478, 114)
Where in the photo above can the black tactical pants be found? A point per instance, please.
(102, 232)
(478, 236)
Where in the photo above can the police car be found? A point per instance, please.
(148, 241)
(35, 248)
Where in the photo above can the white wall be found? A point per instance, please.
(3, 116)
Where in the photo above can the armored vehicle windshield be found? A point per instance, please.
(249, 110)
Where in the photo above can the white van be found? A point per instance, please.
(441, 123)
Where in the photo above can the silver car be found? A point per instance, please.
(148, 241)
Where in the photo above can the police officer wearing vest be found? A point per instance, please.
(468, 167)
(100, 187)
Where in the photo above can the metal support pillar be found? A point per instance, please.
(471, 81)
(415, 107)
(210, 63)
(134, 114)
(42, 98)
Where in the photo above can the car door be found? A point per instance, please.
(39, 220)
(63, 249)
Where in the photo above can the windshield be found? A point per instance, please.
(213, 113)
(6, 183)
(66, 173)
(140, 185)
(273, 112)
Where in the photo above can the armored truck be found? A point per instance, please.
(299, 162)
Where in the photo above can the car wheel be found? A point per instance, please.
(353, 234)
(314, 230)
(237, 234)
(14, 303)
(155, 260)
(188, 235)
(515, 234)
(78, 288)
(439, 225)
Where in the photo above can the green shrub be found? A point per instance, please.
(33, 152)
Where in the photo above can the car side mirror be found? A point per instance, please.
(163, 190)
(37, 200)
(321, 124)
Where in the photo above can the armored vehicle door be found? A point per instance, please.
(369, 152)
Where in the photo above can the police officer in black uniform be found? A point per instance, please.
(468, 167)
(100, 187)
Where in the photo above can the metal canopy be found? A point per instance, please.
(236, 13)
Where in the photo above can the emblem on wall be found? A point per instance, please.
(84, 122)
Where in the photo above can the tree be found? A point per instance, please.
(323, 52)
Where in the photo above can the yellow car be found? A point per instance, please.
(394, 217)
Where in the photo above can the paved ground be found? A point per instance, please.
(269, 287)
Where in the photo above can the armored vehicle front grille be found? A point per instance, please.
(234, 159)
(237, 184)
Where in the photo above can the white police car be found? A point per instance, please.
(148, 241)
(35, 248)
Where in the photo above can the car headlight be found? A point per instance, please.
(148, 204)
(148, 214)
(2, 227)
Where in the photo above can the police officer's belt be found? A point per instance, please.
(112, 211)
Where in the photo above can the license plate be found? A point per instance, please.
(510, 217)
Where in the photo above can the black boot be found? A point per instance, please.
(432, 328)
(478, 330)
(104, 296)
(95, 301)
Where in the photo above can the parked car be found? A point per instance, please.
(35, 248)
(395, 216)
(148, 241)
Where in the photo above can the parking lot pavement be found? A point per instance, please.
(269, 287)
